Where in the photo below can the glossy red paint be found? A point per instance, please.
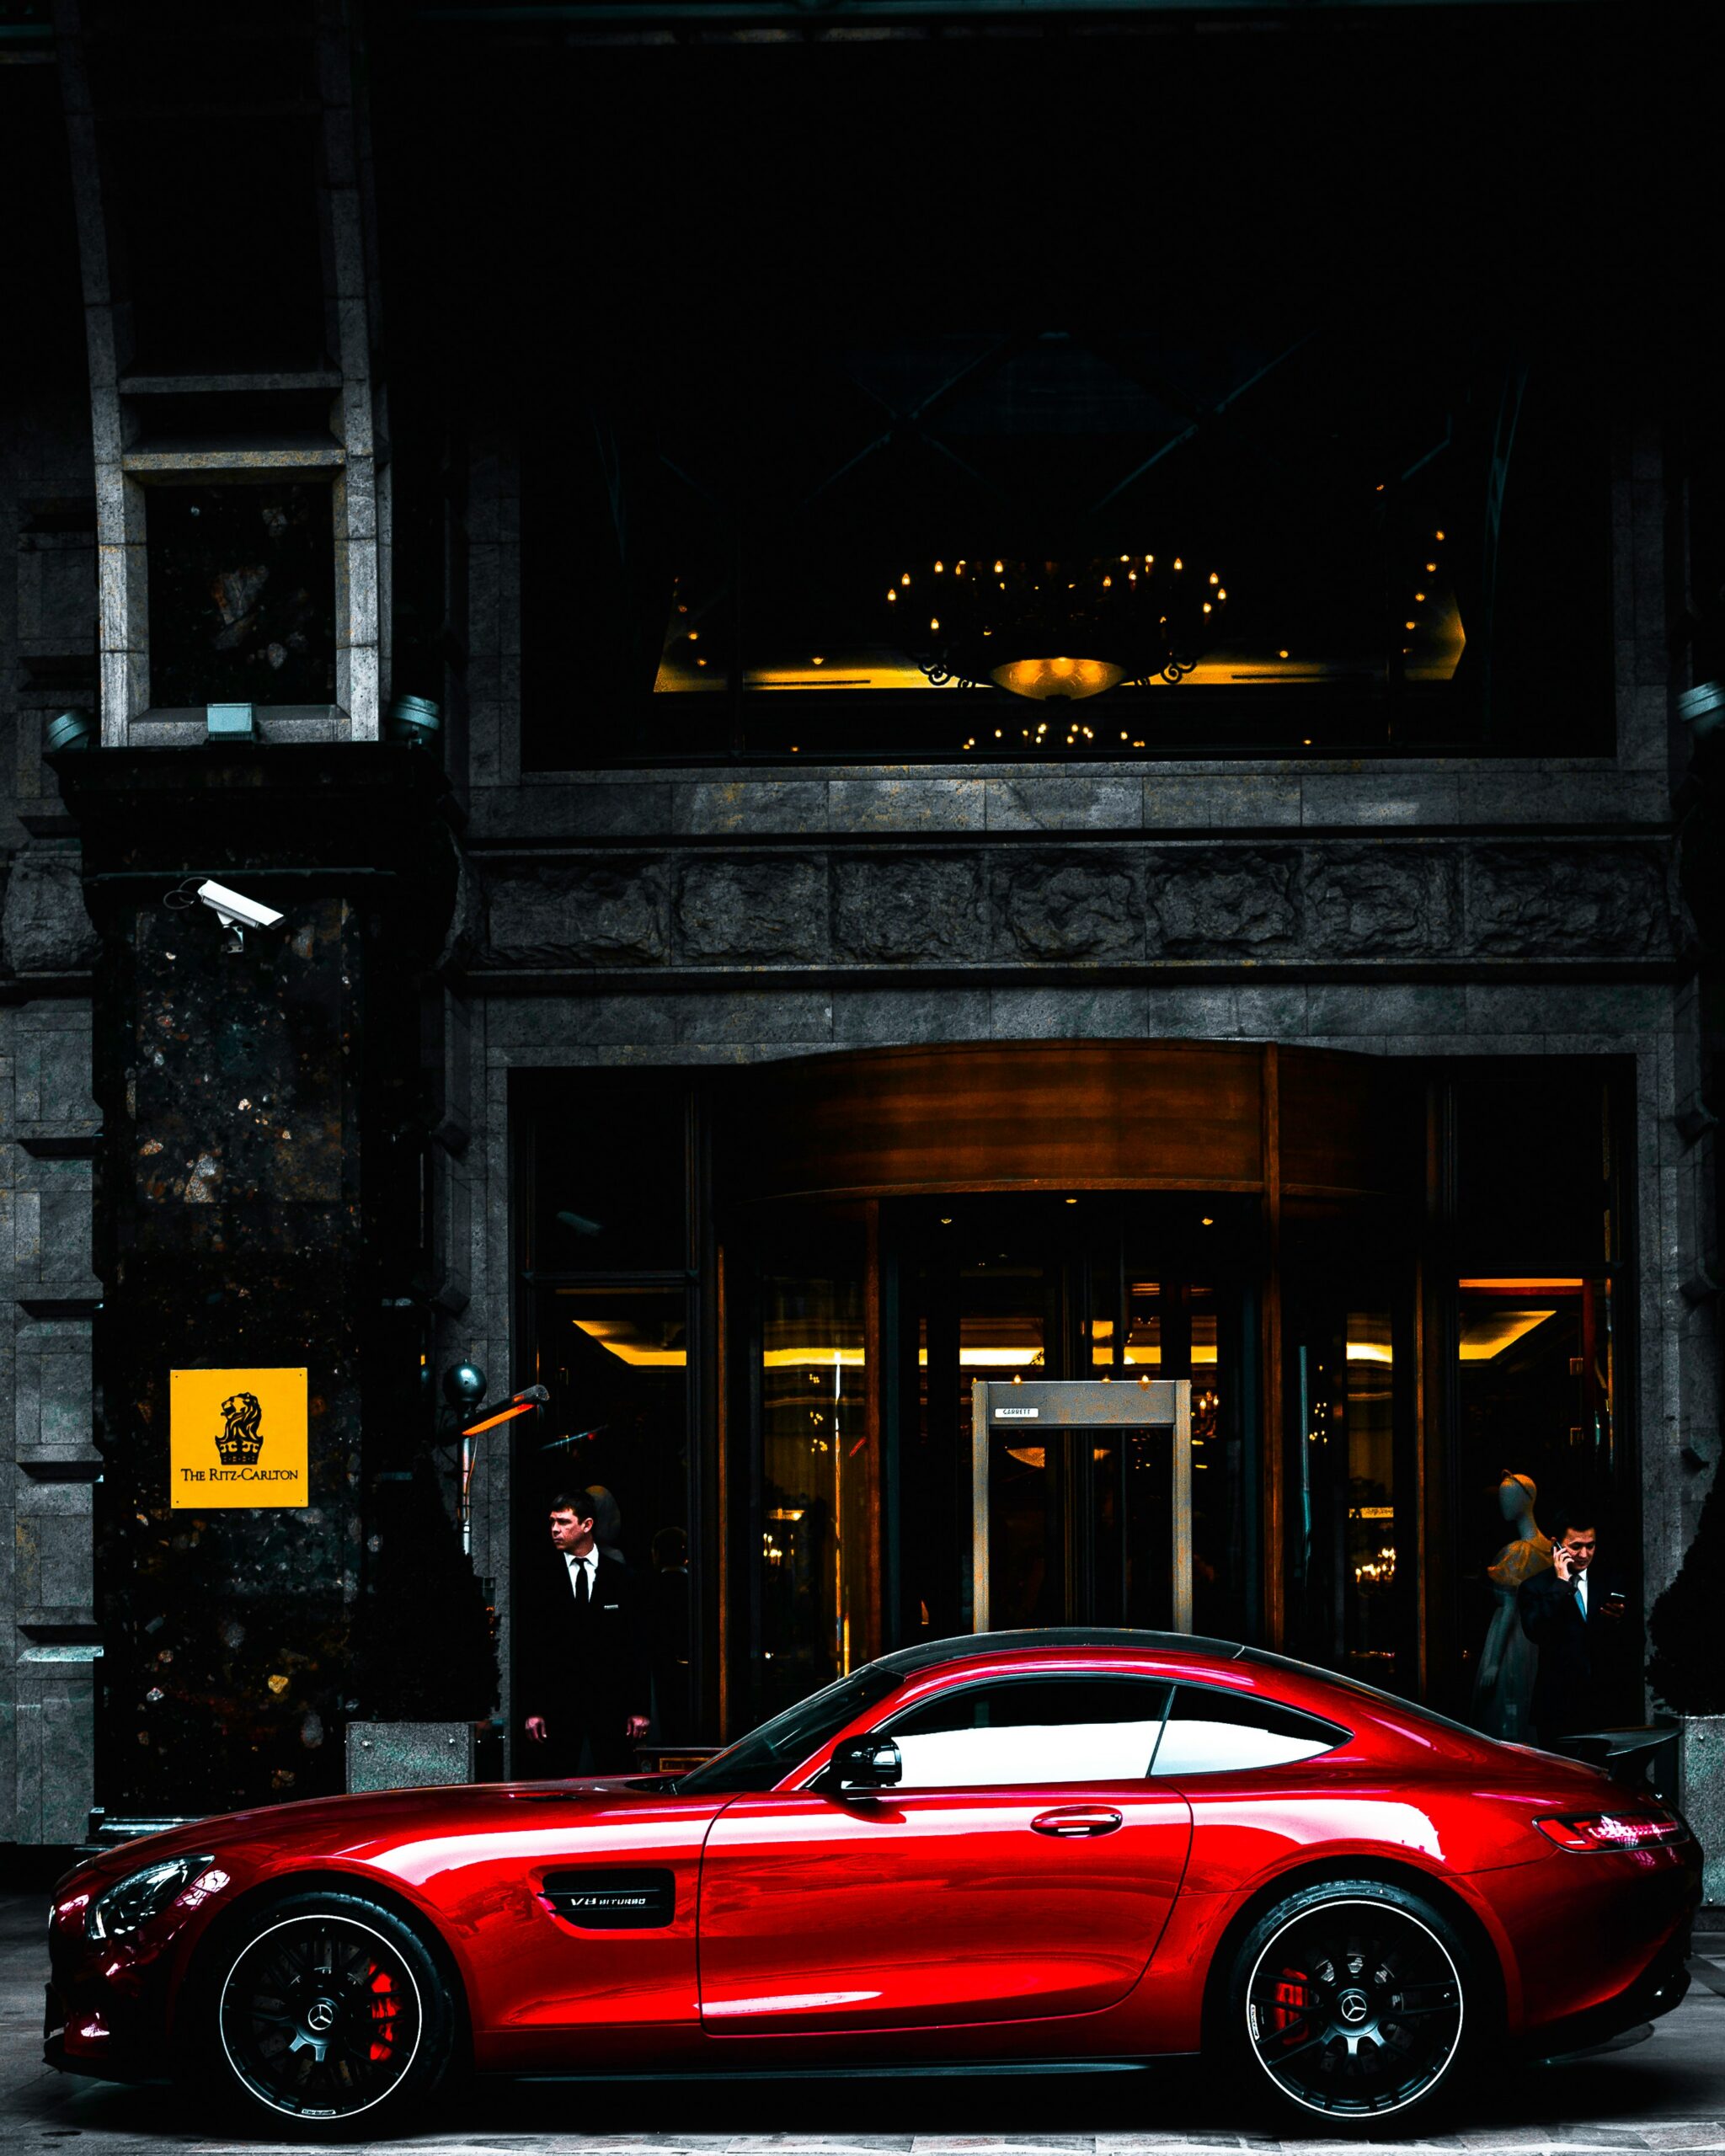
(801, 1926)
(932, 1908)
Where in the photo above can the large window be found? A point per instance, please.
(242, 594)
(1036, 1287)
(1328, 375)
(1394, 518)
(1539, 1339)
(819, 1484)
(613, 1301)
(1351, 1513)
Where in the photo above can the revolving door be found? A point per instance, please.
(1082, 1503)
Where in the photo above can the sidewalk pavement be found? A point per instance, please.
(1665, 2092)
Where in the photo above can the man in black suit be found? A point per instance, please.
(585, 1666)
(1574, 1616)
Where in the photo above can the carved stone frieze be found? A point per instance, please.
(1076, 902)
(1085, 904)
(1216, 905)
(45, 927)
(892, 907)
(1360, 900)
(1569, 901)
(753, 909)
(602, 913)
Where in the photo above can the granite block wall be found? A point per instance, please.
(49, 1648)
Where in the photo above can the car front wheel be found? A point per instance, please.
(327, 2009)
(1354, 2000)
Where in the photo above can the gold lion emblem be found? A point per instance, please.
(240, 1440)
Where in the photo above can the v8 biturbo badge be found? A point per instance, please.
(236, 1438)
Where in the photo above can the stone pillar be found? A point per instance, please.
(48, 1640)
(258, 1205)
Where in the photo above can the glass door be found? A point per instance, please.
(1082, 1503)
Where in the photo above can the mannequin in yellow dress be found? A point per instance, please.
(1502, 1691)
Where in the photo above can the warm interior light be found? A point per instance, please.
(1045, 678)
(630, 1344)
(1026, 1356)
(1521, 1285)
(1486, 1336)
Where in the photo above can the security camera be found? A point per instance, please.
(236, 912)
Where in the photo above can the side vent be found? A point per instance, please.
(612, 1900)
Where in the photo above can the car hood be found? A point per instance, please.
(335, 1824)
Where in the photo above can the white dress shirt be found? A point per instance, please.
(590, 1565)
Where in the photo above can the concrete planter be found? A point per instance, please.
(1703, 1799)
(409, 1754)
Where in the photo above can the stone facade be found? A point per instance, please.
(1459, 907)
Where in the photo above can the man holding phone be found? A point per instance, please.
(1574, 1616)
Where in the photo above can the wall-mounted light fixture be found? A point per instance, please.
(229, 723)
(415, 720)
(71, 729)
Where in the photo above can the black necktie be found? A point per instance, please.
(581, 1596)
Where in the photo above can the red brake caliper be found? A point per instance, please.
(1291, 2000)
(384, 2010)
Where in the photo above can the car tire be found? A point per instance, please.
(325, 2014)
(1354, 2001)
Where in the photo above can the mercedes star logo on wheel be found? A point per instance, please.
(320, 2015)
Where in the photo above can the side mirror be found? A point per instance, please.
(865, 1762)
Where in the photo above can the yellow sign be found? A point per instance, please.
(236, 1438)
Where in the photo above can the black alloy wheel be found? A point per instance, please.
(1354, 1999)
(328, 2008)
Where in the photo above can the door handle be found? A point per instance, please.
(1072, 1823)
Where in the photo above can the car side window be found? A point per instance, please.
(1210, 1732)
(1036, 1729)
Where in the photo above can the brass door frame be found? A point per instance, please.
(1082, 1404)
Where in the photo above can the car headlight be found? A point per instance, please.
(121, 1908)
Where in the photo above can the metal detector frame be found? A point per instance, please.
(1083, 1404)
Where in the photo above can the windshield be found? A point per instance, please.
(762, 1759)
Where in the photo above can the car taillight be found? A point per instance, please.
(1641, 1829)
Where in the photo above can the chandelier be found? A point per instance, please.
(1057, 629)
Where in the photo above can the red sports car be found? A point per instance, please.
(1063, 1847)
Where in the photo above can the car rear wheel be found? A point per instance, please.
(326, 2010)
(1354, 1999)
